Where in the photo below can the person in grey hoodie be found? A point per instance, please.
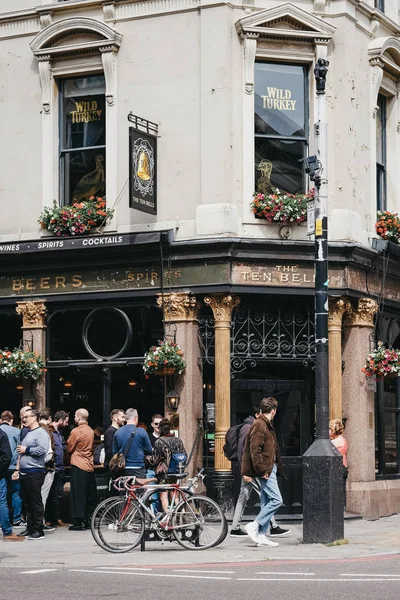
(32, 453)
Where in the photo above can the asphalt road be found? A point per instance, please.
(349, 579)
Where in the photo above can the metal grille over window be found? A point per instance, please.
(263, 336)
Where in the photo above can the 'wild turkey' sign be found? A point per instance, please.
(143, 165)
(85, 112)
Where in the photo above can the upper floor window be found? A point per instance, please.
(82, 138)
(381, 154)
(281, 126)
(380, 5)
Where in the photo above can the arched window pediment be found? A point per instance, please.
(385, 52)
(75, 35)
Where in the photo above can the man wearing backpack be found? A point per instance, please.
(249, 484)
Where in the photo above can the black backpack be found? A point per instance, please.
(231, 442)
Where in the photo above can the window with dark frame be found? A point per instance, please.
(388, 427)
(380, 5)
(381, 200)
(281, 126)
(82, 138)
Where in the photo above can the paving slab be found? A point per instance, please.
(64, 548)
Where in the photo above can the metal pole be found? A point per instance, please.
(321, 269)
(322, 463)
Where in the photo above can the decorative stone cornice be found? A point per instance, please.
(337, 307)
(362, 315)
(33, 314)
(319, 5)
(286, 21)
(249, 50)
(222, 307)
(179, 306)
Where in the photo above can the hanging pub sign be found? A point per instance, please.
(143, 165)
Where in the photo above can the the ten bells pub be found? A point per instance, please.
(243, 315)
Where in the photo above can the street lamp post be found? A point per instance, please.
(323, 501)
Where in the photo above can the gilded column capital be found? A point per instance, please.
(337, 307)
(179, 306)
(33, 314)
(222, 307)
(361, 315)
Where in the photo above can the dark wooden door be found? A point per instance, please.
(293, 425)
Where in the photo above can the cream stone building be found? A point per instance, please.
(177, 111)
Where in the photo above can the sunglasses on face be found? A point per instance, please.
(157, 422)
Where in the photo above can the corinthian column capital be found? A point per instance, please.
(222, 307)
(361, 315)
(337, 307)
(33, 314)
(179, 306)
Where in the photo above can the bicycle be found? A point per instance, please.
(195, 522)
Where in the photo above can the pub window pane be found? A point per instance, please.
(390, 443)
(381, 153)
(83, 127)
(86, 163)
(279, 100)
(277, 165)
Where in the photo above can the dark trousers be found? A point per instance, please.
(31, 485)
(237, 479)
(83, 495)
(55, 497)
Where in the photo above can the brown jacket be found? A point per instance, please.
(80, 447)
(261, 449)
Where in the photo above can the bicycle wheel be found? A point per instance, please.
(98, 511)
(199, 523)
(121, 526)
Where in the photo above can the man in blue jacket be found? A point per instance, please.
(134, 442)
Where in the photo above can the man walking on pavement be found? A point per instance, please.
(13, 484)
(5, 460)
(83, 492)
(248, 484)
(32, 451)
(260, 458)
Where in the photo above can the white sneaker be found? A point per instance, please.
(263, 540)
(252, 531)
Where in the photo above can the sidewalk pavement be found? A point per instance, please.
(64, 548)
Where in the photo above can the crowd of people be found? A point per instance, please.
(33, 460)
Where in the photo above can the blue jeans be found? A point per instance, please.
(14, 489)
(271, 500)
(4, 516)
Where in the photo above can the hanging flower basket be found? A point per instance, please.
(388, 226)
(281, 207)
(21, 365)
(166, 371)
(164, 359)
(382, 362)
(76, 219)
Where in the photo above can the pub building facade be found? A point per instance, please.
(226, 101)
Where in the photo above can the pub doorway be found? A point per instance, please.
(293, 425)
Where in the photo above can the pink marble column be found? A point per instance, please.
(34, 338)
(180, 313)
(358, 405)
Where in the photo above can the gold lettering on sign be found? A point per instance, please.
(288, 275)
(278, 99)
(86, 112)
